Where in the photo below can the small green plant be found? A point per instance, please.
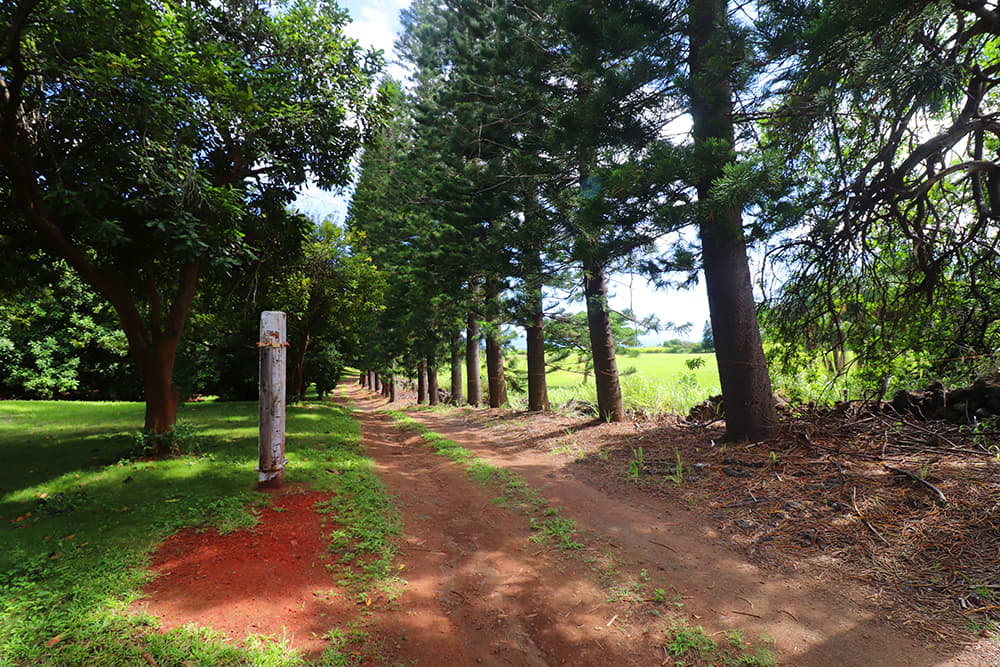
(557, 529)
(682, 640)
(568, 445)
(694, 363)
(678, 599)
(659, 596)
(677, 476)
(637, 464)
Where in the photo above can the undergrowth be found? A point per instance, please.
(81, 512)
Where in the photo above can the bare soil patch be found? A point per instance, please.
(267, 581)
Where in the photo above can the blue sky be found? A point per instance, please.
(375, 23)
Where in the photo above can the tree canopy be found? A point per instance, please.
(142, 143)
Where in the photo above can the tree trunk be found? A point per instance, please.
(495, 379)
(298, 367)
(153, 348)
(456, 369)
(538, 395)
(361, 378)
(472, 372)
(393, 395)
(432, 382)
(602, 344)
(747, 397)
(162, 397)
(371, 381)
(421, 382)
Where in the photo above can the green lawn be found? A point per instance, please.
(80, 513)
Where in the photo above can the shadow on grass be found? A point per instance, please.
(80, 513)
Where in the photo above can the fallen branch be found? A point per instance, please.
(918, 478)
(661, 544)
(790, 614)
(854, 502)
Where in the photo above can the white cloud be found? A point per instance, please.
(374, 26)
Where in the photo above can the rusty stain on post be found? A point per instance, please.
(271, 441)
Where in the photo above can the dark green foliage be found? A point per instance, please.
(60, 339)
(145, 145)
(325, 366)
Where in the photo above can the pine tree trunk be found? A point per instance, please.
(393, 392)
(378, 382)
(538, 395)
(361, 378)
(747, 397)
(495, 379)
(456, 369)
(432, 382)
(371, 381)
(472, 371)
(602, 345)
(421, 382)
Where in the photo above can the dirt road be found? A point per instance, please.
(480, 592)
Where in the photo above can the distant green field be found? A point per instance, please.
(650, 363)
(652, 380)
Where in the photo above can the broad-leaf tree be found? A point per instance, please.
(138, 139)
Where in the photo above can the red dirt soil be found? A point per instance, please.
(263, 581)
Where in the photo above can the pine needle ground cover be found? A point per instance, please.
(81, 511)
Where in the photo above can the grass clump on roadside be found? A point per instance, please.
(81, 511)
(555, 529)
(685, 643)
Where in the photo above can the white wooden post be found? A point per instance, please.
(271, 442)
